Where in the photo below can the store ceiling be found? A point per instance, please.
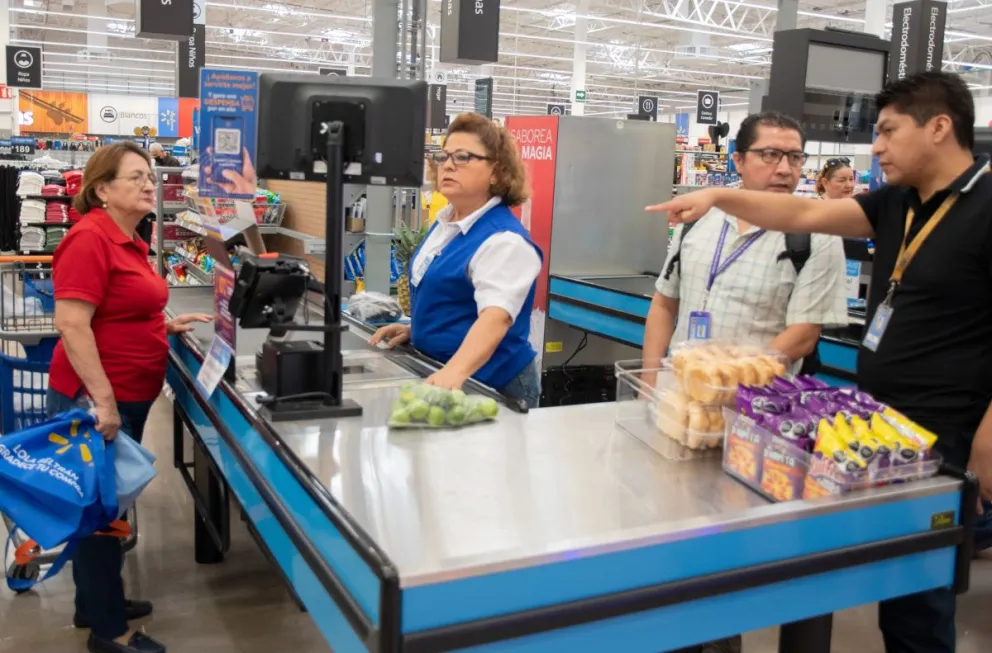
(669, 48)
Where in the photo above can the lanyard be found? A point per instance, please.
(717, 268)
(908, 251)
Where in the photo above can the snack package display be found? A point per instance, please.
(710, 372)
(796, 438)
(425, 406)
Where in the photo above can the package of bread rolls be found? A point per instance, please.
(709, 372)
(684, 419)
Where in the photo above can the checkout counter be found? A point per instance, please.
(552, 530)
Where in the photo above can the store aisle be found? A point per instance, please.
(240, 605)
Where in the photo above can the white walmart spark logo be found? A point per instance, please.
(68, 443)
(168, 118)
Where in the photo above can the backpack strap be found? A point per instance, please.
(798, 248)
(676, 259)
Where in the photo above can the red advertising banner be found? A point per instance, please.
(537, 140)
(186, 107)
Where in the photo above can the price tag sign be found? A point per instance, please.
(214, 366)
(5, 148)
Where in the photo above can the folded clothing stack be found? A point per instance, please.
(53, 190)
(56, 213)
(33, 211)
(54, 237)
(30, 183)
(32, 239)
(73, 181)
(74, 215)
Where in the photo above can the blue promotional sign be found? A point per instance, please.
(179, 150)
(168, 117)
(228, 103)
(681, 125)
(23, 140)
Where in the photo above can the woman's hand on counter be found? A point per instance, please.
(447, 378)
(393, 335)
(184, 323)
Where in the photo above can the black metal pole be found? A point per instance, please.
(333, 262)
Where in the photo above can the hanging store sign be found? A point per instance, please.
(192, 54)
(333, 72)
(437, 102)
(556, 109)
(647, 106)
(707, 104)
(171, 20)
(484, 96)
(469, 31)
(917, 38)
(23, 67)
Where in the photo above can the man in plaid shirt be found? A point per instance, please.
(749, 290)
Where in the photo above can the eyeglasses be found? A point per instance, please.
(772, 156)
(839, 161)
(139, 179)
(458, 157)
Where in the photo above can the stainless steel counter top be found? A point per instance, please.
(525, 490)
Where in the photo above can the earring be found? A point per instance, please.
(104, 205)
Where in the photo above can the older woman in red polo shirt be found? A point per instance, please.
(109, 305)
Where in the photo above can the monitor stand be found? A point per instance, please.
(328, 402)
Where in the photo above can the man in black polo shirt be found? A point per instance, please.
(928, 348)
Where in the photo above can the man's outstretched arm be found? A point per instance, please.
(773, 211)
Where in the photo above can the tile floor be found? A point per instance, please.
(240, 606)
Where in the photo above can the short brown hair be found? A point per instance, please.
(102, 168)
(511, 176)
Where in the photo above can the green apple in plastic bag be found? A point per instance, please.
(435, 417)
(457, 415)
(418, 409)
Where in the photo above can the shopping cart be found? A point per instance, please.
(28, 338)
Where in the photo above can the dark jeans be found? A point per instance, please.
(527, 385)
(924, 623)
(96, 565)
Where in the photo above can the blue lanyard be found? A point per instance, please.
(717, 268)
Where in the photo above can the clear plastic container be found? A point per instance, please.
(711, 371)
(652, 408)
(773, 467)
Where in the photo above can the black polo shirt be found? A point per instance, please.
(934, 362)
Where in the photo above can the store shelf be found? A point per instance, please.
(174, 207)
(60, 198)
(201, 275)
(185, 222)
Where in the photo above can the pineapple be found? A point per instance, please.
(407, 242)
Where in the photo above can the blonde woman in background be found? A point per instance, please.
(836, 180)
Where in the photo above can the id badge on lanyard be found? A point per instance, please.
(701, 322)
(883, 314)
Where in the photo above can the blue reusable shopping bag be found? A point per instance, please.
(134, 469)
(57, 484)
(56, 481)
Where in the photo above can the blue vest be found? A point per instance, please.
(444, 309)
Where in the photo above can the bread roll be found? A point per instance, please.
(699, 419)
(703, 382)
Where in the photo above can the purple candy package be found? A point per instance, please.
(757, 402)
(798, 426)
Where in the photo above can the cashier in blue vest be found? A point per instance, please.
(472, 280)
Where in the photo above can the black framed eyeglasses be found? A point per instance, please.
(458, 157)
(772, 156)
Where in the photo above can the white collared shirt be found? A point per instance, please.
(502, 270)
(757, 296)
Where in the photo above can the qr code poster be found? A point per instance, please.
(228, 128)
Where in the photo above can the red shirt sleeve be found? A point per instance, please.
(81, 267)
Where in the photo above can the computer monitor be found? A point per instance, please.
(384, 124)
(269, 290)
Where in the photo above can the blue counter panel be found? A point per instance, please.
(839, 356)
(601, 297)
(571, 579)
(353, 573)
(602, 324)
